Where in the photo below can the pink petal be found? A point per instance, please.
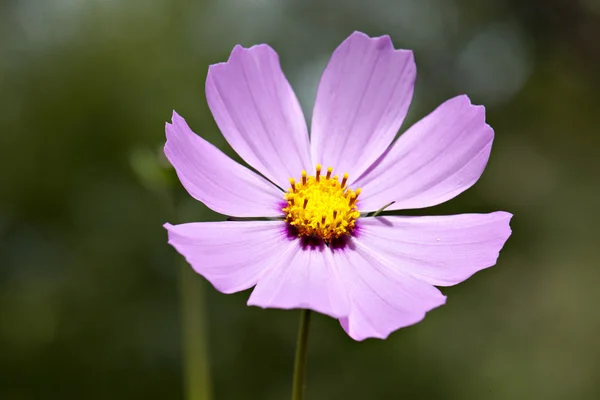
(259, 114)
(438, 158)
(304, 277)
(383, 297)
(230, 255)
(362, 99)
(216, 180)
(440, 250)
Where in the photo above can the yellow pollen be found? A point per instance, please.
(323, 208)
(344, 180)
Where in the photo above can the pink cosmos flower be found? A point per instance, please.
(316, 250)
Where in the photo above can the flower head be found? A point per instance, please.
(321, 206)
(374, 274)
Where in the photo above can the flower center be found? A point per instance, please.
(321, 206)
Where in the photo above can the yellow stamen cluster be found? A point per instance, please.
(321, 206)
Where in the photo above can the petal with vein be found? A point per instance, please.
(435, 160)
(259, 114)
(362, 99)
(305, 277)
(230, 255)
(215, 179)
(383, 298)
(440, 250)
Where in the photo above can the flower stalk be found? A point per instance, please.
(195, 351)
(299, 381)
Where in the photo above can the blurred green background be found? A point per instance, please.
(90, 294)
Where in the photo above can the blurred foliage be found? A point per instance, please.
(89, 288)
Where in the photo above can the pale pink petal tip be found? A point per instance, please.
(435, 160)
(258, 113)
(230, 255)
(362, 99)
(439, 250)
(216, 180)
(383, 298)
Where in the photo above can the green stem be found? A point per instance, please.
(195, 352)
(301, 355)
(376, 213)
